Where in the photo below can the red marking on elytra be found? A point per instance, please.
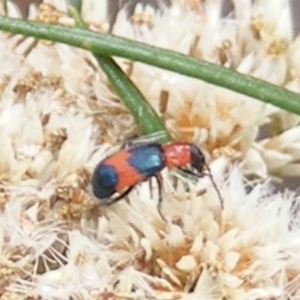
(127, 175)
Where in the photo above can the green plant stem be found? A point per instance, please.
(109, 45)
(145, 116)
(75, 5)
(4, 3)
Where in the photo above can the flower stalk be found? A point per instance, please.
(145, 116)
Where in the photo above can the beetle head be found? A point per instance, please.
(197, 158)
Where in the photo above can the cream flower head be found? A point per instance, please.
(59, 118)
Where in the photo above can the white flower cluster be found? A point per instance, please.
(59, 118)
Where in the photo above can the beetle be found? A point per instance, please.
(128, 167)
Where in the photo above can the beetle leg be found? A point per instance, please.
(159, 186)
(129, 142)
(136, 140)
(189, 172)
(114, 200)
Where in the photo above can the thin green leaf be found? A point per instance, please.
(109, 45)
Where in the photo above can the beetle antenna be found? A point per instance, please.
(209, 174)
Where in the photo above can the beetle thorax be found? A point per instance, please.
(177, 155)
